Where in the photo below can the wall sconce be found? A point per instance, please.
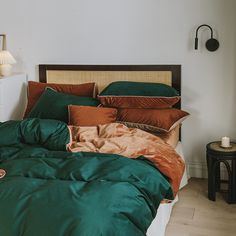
(212, 44)
(6, 59)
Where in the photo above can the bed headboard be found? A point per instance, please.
(102, 75)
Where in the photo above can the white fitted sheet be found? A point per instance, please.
(158, 226)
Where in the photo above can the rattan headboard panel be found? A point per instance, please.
(103, 78)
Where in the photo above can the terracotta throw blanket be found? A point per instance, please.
(129, 142)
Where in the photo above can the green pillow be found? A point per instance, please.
(125, 94)
(54, 105)
(127, 88)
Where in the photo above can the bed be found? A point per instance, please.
(102, 75)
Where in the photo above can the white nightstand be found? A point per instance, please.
(13, 95)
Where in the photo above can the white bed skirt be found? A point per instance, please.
(158, 226)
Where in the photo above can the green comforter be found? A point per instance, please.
(50, 192)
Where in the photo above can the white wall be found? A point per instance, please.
(138, 32)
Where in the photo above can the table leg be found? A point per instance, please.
(232, 197)
(217, 176)
(230, 182)
(211, 179)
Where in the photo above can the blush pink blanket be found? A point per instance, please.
(116, 138)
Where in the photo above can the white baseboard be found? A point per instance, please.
(199, 170)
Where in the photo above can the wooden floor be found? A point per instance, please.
(195, 215)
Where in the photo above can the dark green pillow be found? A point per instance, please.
(125, 94)
(127, 88)
(54, 105)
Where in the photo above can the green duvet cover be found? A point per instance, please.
(50, 192)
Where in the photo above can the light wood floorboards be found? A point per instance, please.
(195, 215)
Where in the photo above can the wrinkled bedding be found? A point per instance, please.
(50, 191)
(130, 142)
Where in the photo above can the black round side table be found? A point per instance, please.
(216, 155)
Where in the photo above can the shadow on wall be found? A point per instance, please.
(19, 109)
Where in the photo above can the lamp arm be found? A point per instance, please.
(4, 42)
(206, 26)
(211, 44)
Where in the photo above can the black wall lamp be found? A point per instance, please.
(212, 44)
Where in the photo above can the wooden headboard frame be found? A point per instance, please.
(174, 72)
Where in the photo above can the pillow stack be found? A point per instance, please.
(74, 104)
(124, 94)
(147, 106)
(36, 89)
(51, 101)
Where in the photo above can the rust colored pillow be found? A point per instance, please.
(152, 120)
(138, 101)
(35, 90)
(91, 116)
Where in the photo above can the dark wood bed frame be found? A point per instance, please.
(174, 69)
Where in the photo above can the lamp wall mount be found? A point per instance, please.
(212, 44)
(4, 42)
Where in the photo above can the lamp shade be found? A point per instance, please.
(6, 58)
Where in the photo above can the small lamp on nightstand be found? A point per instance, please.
(6, 59)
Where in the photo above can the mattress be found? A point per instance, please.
(172, 137)
(158, 226)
